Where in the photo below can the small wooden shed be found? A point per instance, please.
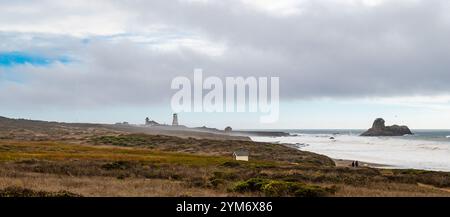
(241, 155)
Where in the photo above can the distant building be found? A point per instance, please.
(228, 130)
(149, 122)
(241, 155)
(122, 123)
(175, 120)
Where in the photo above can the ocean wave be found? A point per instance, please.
(402, 152)
(301, 145)
(448, 137)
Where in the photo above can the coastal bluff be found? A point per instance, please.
(379, 129)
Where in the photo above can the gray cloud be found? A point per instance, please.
(396, 48)
(328, 49)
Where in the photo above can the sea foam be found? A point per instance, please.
(398, 152)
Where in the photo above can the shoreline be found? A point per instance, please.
(345, 160)
(348, 163)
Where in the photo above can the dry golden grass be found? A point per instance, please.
(390, 190)
(15, 151)
(103, 160)
(259, 151)
(100, 170)
(105, 186)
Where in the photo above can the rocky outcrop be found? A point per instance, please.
(379, 129)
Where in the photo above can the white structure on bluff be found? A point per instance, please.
(175, 120)
(241, 155)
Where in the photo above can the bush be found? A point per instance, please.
(251, 185)
(216, 182)
(438, 179)
(313, 191)
(275, 188)
(225, 175)
(24, 192)
(125, 140)
(231, 164)
(118, 165)
(278, 188)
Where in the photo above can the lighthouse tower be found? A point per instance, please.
(175, 120)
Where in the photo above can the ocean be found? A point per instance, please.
(426, 149)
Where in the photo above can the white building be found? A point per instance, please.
(241, 155)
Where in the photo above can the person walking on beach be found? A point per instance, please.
(356, 163)
(353, 163)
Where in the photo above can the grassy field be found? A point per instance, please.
(146, 165)
(51, 159)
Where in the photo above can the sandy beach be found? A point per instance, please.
(426, 150)
(348, 163)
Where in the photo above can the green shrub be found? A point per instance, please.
(278, 188)
(216, 182)
(312, 191)
(251, 185)
(412, 172)
(118, 165)
(24, 192)
(225, 175)
(275, 188)
(231, 164)
(125, 140)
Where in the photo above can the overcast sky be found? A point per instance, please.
(341, 63)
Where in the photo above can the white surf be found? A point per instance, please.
(396, 152)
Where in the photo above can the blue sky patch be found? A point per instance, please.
(10, 59)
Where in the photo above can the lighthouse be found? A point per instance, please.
(175, 120)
